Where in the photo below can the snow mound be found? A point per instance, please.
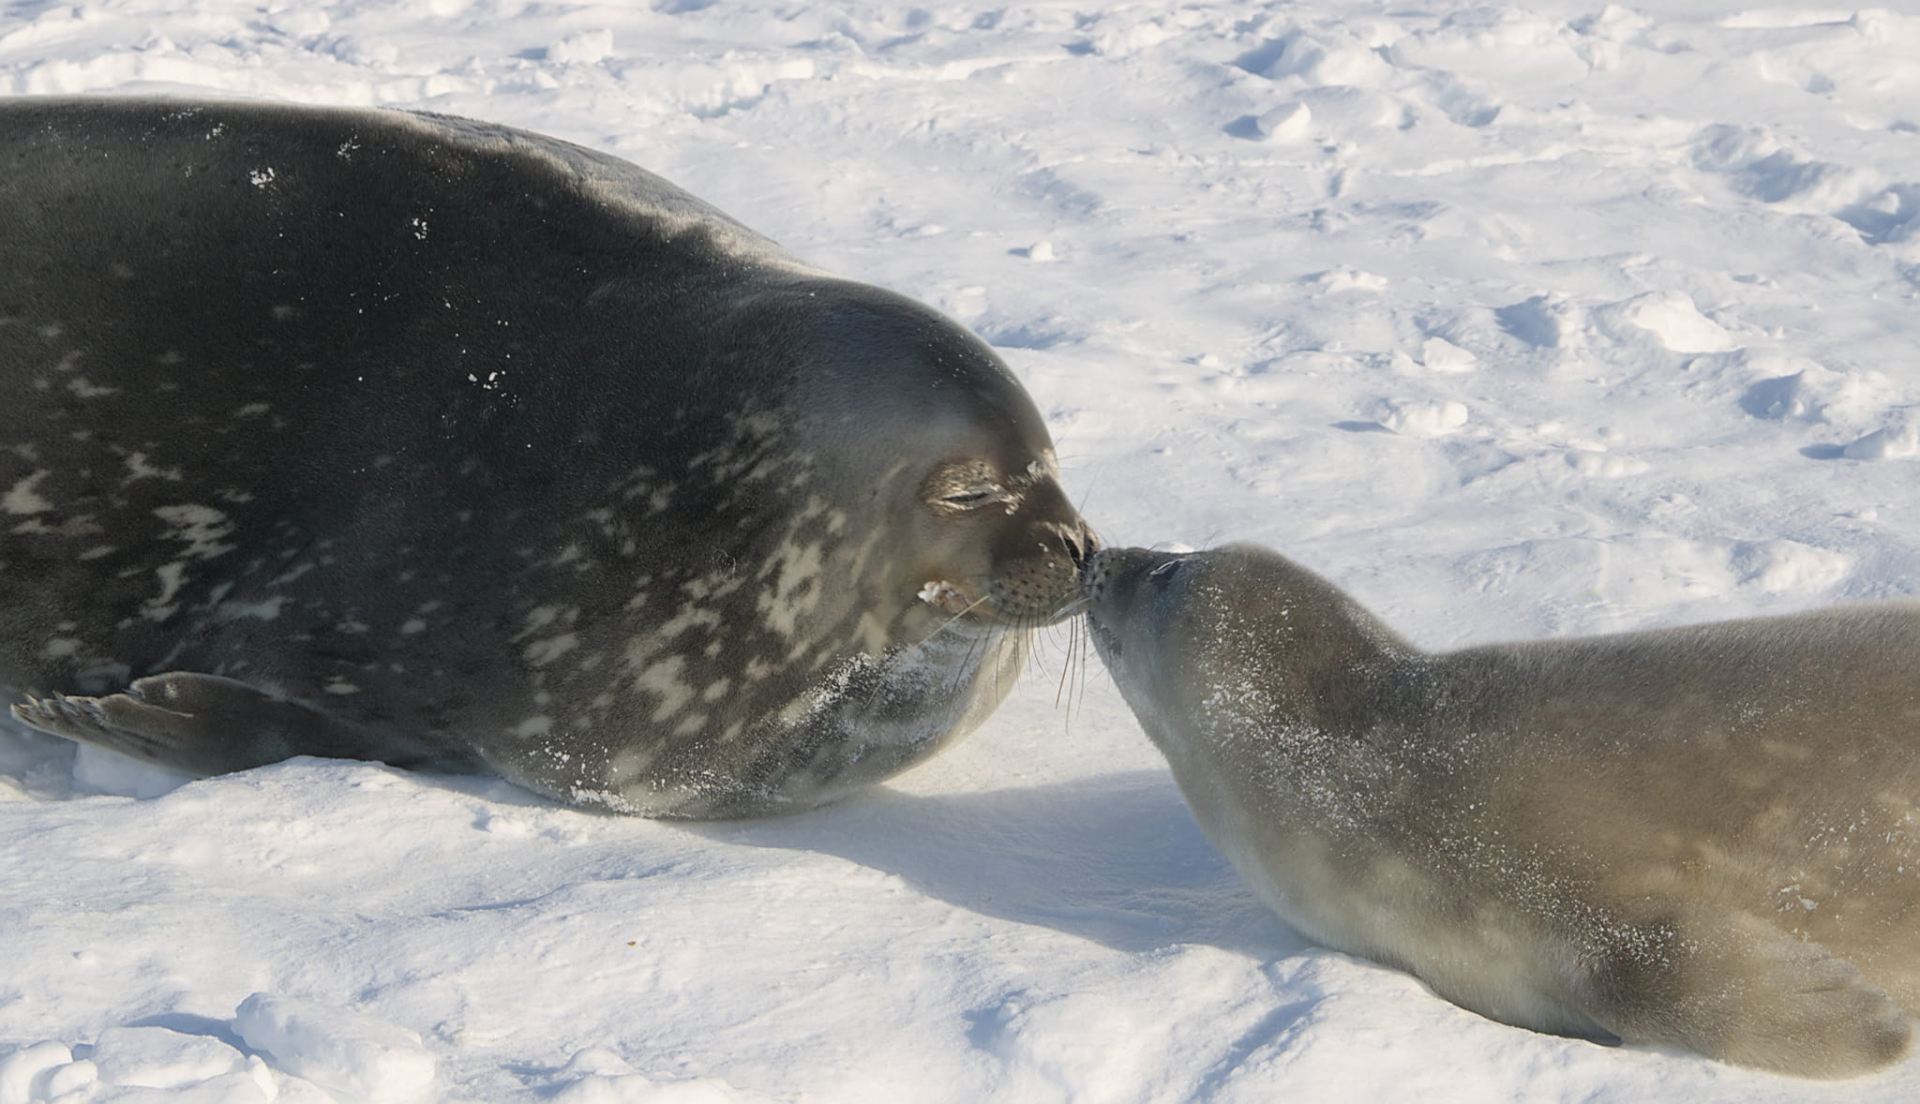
(1815, 393)
(599, 1076)
(156, 1058)
(1672, 319)
(27, 1073)
(343, 1051)
(1290, 122)
(1415, 418)
(1778, 566)
(1550, 320)
(143, 1063)
(1505, 46)
(1330, 57)
(1437, 354)
(1886, 443)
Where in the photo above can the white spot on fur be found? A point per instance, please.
(201, 527)
(161, 607)
(542, 652)
(664, 680)
(84, 390)
(687, 617)
(22, 499)
(259, 611)
(795, 569)
(139, 468)
(291, 574)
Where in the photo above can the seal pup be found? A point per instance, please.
(1703, 837)
(392, 436)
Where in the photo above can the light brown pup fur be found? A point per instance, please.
(1703, 837)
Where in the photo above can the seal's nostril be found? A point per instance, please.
(1081, 545)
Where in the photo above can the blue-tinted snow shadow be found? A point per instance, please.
(1117, 860)
(34, 764)
(186, 1023)
(1246, 127)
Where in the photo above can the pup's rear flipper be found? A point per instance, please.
(1737, 988)
(205, 724)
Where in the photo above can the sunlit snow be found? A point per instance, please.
(1513, 320)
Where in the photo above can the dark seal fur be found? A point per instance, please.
(392, 436)
(1704, 837)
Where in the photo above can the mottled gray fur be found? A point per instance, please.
(383, 435)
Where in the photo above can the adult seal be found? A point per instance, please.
(391, 436)
(1703, 837)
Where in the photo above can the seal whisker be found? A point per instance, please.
(1085, 632)
(958, 617)
(962, 672)
(1075, 652)
(1066, 675)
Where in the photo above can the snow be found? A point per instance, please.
(1515, 320)
(352, 1053)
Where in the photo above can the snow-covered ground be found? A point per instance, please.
(1515, 321)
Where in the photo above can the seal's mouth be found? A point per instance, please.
(986, 612)
(943, 595)
(1114, 581)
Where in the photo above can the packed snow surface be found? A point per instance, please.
(1513, 320)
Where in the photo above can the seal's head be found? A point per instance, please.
(1137, 602)
(1001, 544)
(1177, 627)
(982, 537)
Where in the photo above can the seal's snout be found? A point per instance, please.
(1124, 566)
(1111, 578)
(1081, 545)
(1110, 583)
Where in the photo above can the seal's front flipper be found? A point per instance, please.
(1737, 988)
(202, 724)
